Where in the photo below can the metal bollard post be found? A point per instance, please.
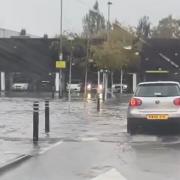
(35, 121)
(98, 103)
(53, 90)
(47, 116)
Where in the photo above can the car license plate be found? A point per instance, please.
(157, 117)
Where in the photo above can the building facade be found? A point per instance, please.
(160, 60)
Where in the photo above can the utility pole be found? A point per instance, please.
(61, 50)
(112, 81)
(109, 26)
(105, 73)
(86, 68)
(70, 73)
(121, 87)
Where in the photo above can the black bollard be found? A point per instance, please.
(35, 121)
(47, 116)
(103, 96)
(98, 103)
(53, 90)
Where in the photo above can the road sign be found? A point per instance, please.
(61, 64)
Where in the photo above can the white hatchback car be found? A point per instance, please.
(154, 104)
(20, 86)
(75, 86)
(117, 88)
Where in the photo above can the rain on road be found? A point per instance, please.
(84, 144)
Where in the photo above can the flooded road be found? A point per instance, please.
(84, 144)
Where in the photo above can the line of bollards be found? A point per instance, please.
(47, 119)
(36, 120)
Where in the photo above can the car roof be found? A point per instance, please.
(161, 82)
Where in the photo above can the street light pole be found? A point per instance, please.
(86, 68)
(108, 34)
(105, 74)
(61, 49)
(70, 76)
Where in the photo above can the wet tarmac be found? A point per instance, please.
(84, 144)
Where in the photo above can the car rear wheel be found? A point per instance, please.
(131, 127)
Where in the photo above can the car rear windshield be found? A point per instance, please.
(75, 82)
(158, 90)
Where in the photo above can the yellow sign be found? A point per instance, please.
(61, 64)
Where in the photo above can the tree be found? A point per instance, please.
(143, 28)
(109, 56)
(167, 28)
(94, 21)
(114, 57)
(118, 53)
(78, 43)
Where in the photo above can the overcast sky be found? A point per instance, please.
(42, 16)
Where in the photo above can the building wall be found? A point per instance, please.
(151, 60)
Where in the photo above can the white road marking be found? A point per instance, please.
(171, 143)
(113, 174)
(50, 147)
(89, 139)
(143, 138)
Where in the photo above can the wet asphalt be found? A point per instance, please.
(85, 143)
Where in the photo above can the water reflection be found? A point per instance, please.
(89, 96)
(101, 96)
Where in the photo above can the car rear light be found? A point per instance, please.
(177, 102)
(89, 86)
(135, 102)
(100, 87)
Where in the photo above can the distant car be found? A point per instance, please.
(20, 86)
(45, 85)
(91, 87)
(117, 88)
(154, 104)
(75, 86)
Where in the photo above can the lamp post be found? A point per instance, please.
(71, 38)
(86, 67)
(108, 39)
(61, 49)
(108, 34)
